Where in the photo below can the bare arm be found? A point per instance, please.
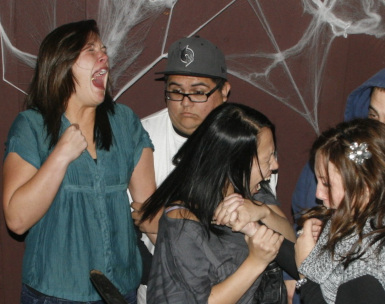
(27, 192)
(237, 212)
(142, 186)
(263, 244)
(263, 248)
(277, 220)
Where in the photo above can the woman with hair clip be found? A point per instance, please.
(340, 250)
(195, 260)
(69, 160)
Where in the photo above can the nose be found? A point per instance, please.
(274, 164)
(321, 192)
(103, 57)
(186, 101)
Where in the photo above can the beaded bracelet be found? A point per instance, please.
(300, 283)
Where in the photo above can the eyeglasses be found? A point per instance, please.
(194, 97)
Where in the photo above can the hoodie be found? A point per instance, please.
(357, 106)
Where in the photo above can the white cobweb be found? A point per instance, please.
(124, 26)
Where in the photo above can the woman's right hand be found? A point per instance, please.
(28, 191)
(263, 245)
(227, 209)
(72, 143)
(307, 239)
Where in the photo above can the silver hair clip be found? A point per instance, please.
(359, 152)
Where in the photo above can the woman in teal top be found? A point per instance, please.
(69, 160)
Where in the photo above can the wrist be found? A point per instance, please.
(256, 265)
(300, 283)
(265, 211)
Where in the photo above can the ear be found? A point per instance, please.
(225, 91)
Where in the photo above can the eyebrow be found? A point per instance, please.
(88, 44)
(193, 85)
(94, 43)
(372, 108)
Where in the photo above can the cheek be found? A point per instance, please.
(322, 193)
(337, 195)
(337, 189)
(256, 177)
(382, 118)
(204, 109)
(86, 62)
(172, 108)
(265, 168)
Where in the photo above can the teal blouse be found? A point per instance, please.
(89, 224)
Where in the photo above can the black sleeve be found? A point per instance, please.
(311, 293)
(286, 259)
(362, 290)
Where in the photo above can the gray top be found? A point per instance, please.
(186, 263)
(330, 273)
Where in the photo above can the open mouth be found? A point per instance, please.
(98, 78)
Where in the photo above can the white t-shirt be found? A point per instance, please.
(165, 140)
(167, 143)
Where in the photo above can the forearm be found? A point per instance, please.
(28, 192)
(142, 185)
(275, 219)
(236, 285)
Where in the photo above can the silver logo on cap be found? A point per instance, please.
(187, 56)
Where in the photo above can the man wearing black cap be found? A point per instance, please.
(195, 83)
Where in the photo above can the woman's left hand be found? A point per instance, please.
(264, 244)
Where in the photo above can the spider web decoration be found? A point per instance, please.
(125, 25)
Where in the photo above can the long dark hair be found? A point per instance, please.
(53, 81)
(219, 152)
(364, 184)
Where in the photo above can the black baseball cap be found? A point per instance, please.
(195, 56)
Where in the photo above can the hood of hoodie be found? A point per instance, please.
(357, 105)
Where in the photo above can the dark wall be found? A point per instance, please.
(314, 73)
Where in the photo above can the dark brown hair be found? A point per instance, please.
(53, 81)
(364, 184)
